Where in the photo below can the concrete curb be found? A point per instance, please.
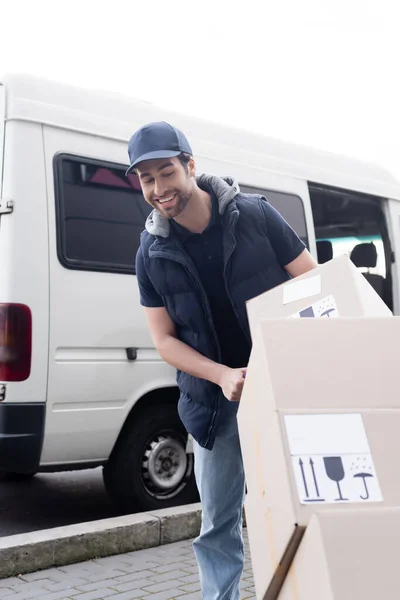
(28, 552)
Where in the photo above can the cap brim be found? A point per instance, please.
(151, 156)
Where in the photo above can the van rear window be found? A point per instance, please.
(100, 215)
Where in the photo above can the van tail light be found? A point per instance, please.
(15, 342)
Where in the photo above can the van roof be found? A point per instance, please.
(115, 116)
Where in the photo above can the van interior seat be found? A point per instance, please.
(324, 251)
(365, 256)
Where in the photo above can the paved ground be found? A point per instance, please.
(53, 500)
(161, 573)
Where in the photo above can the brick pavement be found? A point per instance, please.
(161, 573)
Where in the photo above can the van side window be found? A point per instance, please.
(354, 223)
(100, 215)
(288, 205)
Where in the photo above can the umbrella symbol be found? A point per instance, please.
(327, 312)
(364, 476)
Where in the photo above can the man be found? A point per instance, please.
(206, 250)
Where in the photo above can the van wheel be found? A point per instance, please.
(149, 468)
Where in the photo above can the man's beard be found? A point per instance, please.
(181, 200)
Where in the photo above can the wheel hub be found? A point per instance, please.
(164, 464)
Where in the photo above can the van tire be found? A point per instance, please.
(149, 468)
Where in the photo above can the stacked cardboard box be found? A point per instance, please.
(347, 555)
(318, 420)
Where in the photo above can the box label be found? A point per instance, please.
(311, 286)
(325, 308)
(331, 459)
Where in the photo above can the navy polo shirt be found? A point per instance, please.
(205, 250)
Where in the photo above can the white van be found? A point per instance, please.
(81, 384)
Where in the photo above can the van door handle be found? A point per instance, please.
(131, 353)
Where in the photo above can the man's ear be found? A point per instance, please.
(192, 168)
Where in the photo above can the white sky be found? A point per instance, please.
(320, 72)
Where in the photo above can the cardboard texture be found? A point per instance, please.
(328, 366)
(347, 555)
(338, 278)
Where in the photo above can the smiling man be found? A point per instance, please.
(206, 250)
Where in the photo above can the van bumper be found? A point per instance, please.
(21, 436)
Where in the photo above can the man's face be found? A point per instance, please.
(166, 184)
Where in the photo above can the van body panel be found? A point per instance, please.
(2, 125)
(24, 252)
(94, 318)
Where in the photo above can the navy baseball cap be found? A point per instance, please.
(156, 140)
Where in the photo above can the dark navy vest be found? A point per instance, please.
(250, 268)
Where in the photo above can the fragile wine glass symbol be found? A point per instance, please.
(335, 471)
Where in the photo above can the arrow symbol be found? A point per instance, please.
(304, 477)
(314, 477)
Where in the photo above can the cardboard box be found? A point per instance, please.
(336, 288)
(349, 555)
(324, 366)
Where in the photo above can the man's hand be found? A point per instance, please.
(183, 357)
(231, 383)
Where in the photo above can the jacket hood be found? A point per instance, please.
(225, 189)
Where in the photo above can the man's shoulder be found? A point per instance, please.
(249, 202)
(146, 240)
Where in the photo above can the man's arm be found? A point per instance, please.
(289, 248)
(302, 264)
(183, 357)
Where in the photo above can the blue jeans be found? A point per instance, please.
(221, 483)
